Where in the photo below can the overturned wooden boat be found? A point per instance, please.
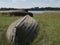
(16, 12)
(22, 31)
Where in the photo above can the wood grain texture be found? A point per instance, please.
(22, 31)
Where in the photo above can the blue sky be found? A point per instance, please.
(29, 3)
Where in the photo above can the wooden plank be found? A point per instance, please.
(21, 29)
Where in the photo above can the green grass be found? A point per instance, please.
(48, 32)
(5, 21)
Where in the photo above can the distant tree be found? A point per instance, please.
(36, 7)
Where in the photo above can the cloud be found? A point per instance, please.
(13, 4)
(18, 0)
(36, 3)
(2, 5)
(5, 1)
(29, 3)
(50, 0)
(23, 0)
(47, 3)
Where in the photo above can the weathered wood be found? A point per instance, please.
(20, 31)
(16, 12)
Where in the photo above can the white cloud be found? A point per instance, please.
(18, 0)
(13, 4)
(48, 3)
(5, 5)
(50, 0)
(5, 1)
(26, 4)
(23, 0)
(36, 3)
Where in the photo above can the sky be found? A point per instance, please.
(29, 3)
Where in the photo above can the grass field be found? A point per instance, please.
(48, 32)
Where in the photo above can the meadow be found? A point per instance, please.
(48, 32)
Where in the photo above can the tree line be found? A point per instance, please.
(35, 8)
(45, 8)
